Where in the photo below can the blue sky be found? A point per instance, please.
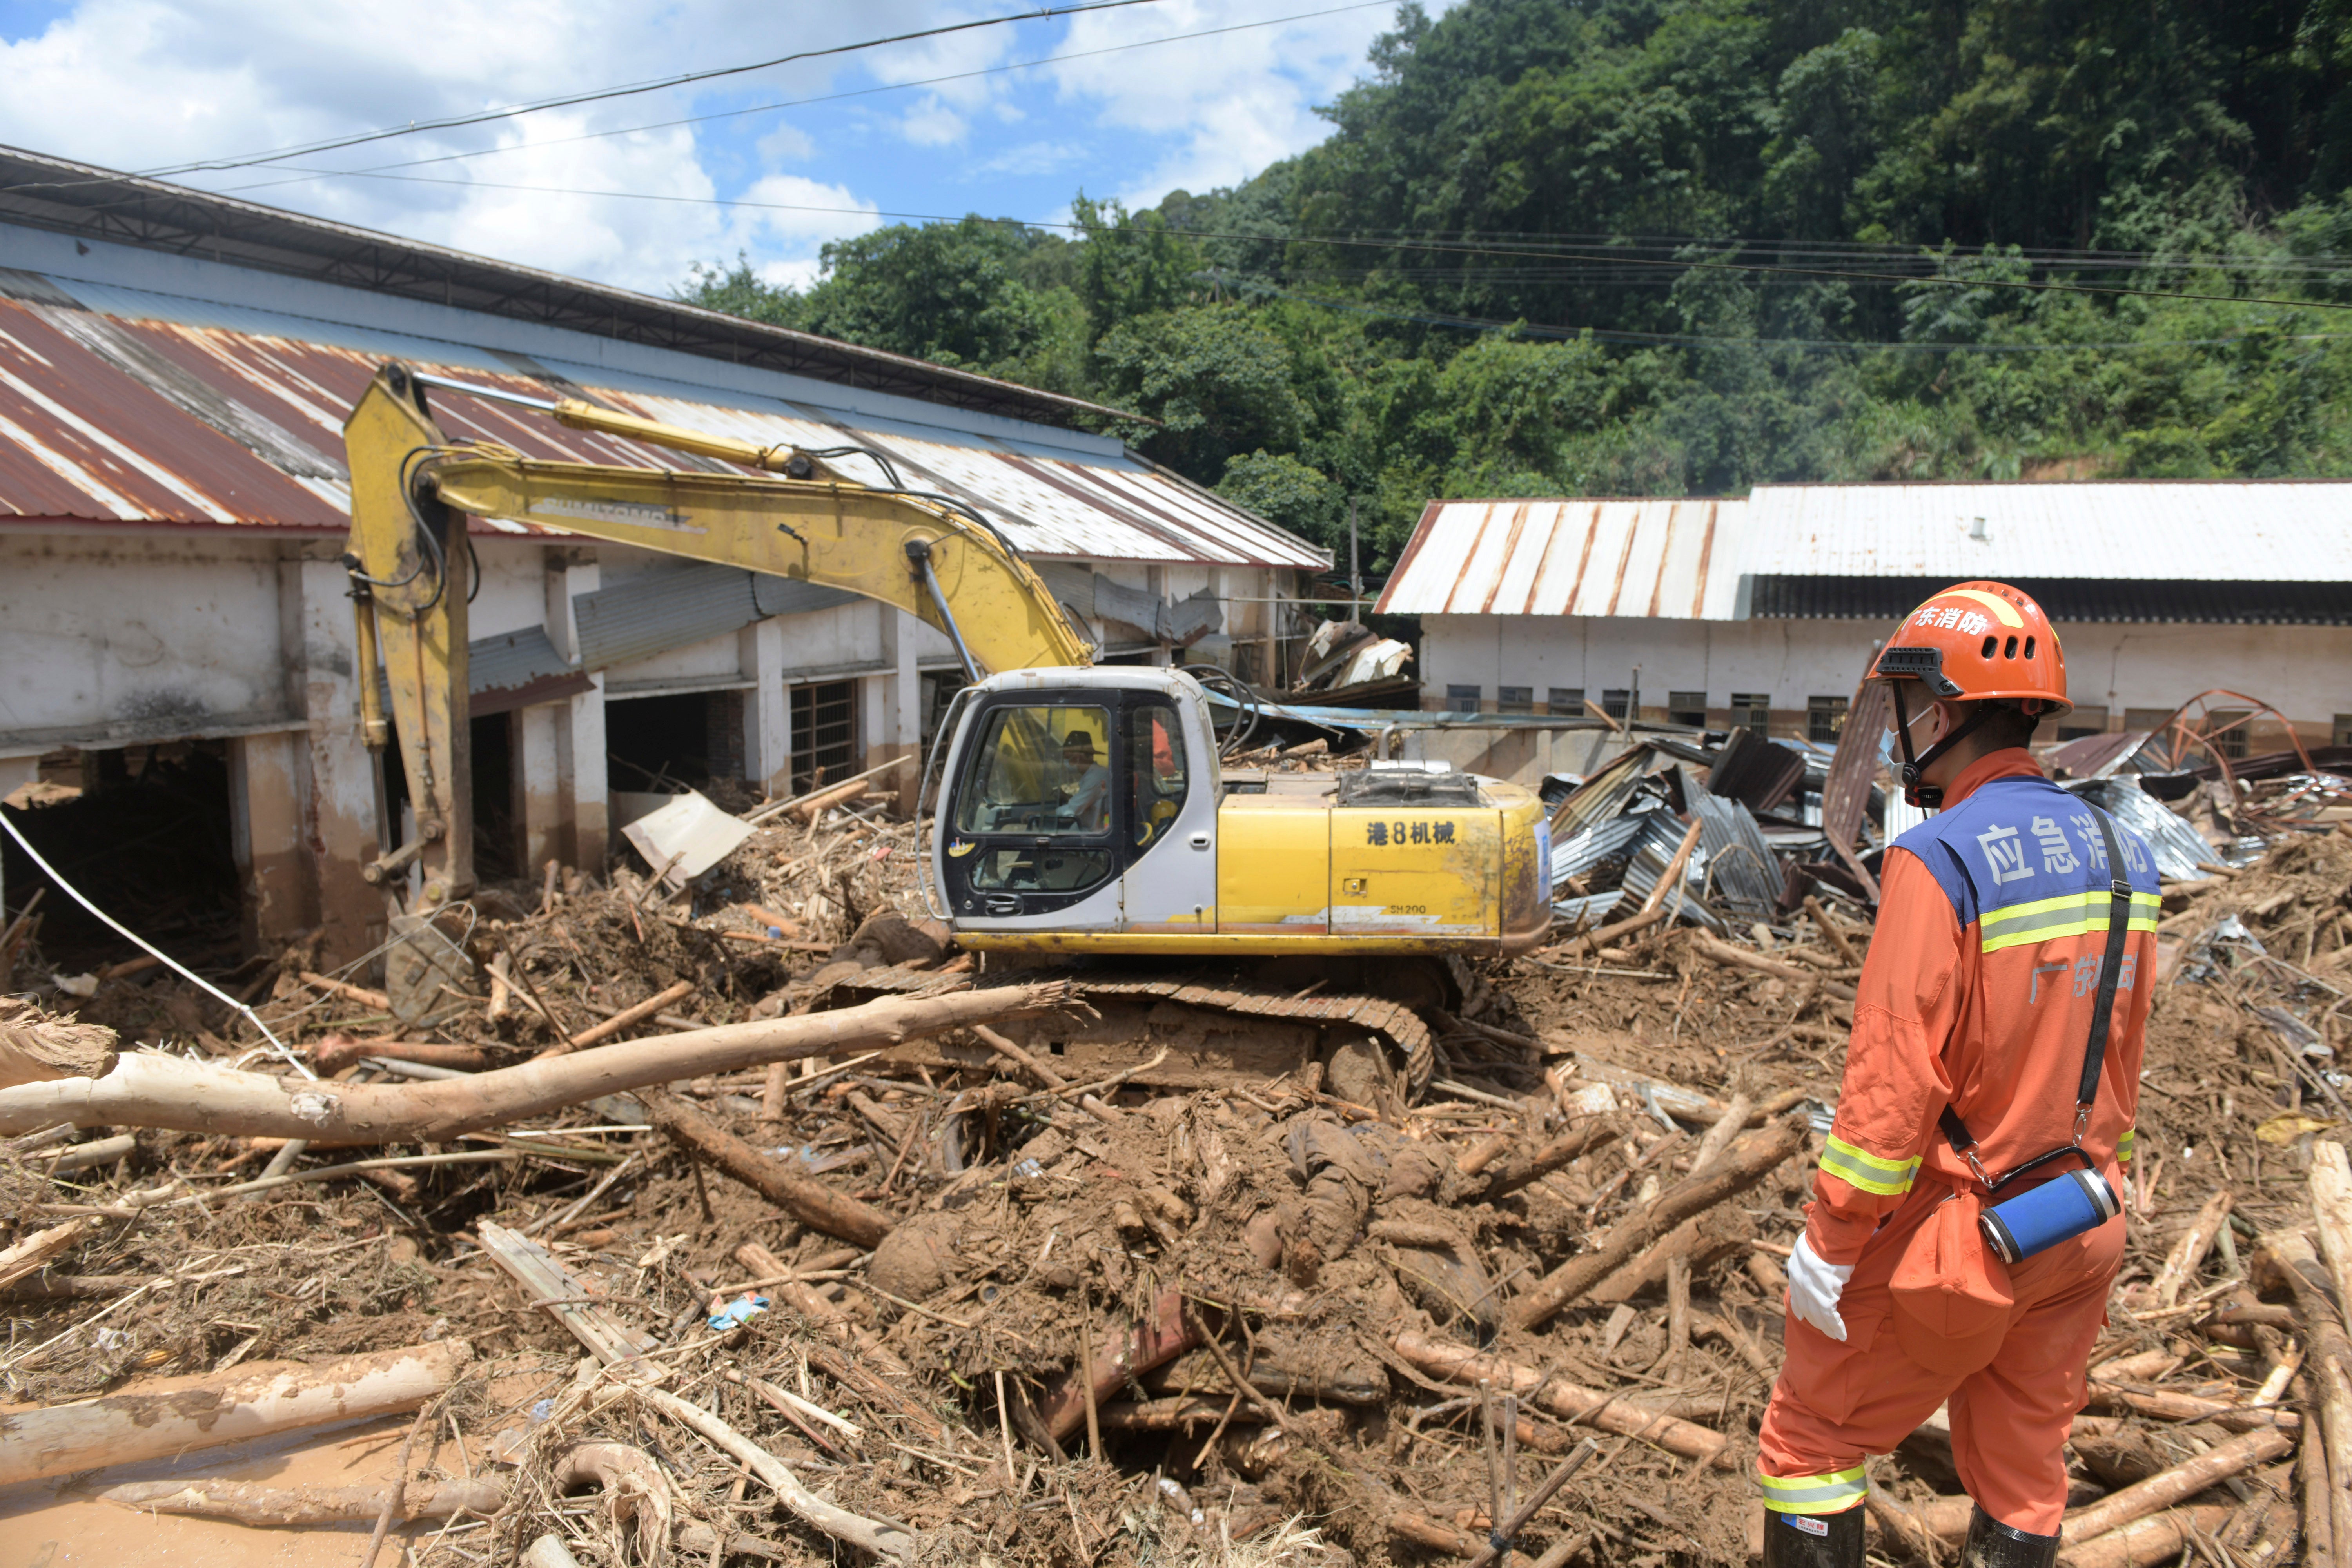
(1132, 103)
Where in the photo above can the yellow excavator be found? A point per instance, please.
(1084, 815)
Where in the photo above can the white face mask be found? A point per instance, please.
(1889, 753)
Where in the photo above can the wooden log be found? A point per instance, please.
(1460, 1363)
(1729, 1125)
(2181, 1482)
(882, 1539)
(1172, 1415)
(41, 1249)
(1673, 874)
(38, 1049)
(2170, 1404)
(375, 1001)
(251, 1502)
(628, 1017)
(231, 1407)
(157, 1090)
(1698, 1241)
(821, 1315)
(1593, 1134)
(2327, 1363)
(2188, 1254)
(845, 793)
(2146, 1541)
(1740, 957)
(1830, 930)
(1158, 1339)
(811, 1202)
(1744, 1164)
(1594, 940)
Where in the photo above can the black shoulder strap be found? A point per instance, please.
(2103, 1008)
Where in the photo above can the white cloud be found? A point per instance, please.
(142, 84)
(1225, 106)
(787, 144)
(188, 79)
(932, 123)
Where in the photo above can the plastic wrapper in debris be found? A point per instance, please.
(741, 1310)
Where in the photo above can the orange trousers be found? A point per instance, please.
(2013, 1390)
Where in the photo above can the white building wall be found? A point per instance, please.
(123, 640)
(2306, 672)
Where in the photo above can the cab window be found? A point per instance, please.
(1040, 770)
(1156, 776)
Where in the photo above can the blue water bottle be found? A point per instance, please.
(2052, 1213)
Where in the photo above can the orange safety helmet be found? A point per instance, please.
(1978, 643)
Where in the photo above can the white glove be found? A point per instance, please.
(1814, 1287)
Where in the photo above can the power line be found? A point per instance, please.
(1671, 340)
(600, 95)
(805, 103)
(1757, 268)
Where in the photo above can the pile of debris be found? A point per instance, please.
(660, 1244)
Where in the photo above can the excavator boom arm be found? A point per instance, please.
(412, 490)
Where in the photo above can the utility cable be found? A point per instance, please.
(1758, 268)
(599, 95)
(805, 103)
(1673, 340)
(152, 950)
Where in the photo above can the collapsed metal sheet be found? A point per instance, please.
(2178, 846)
(1593, 845)
(1743, 874)
(1652, 852)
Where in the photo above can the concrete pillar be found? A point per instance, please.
(890, 706)
(579, 722)
(335, 779)
(538, 786)
(265, 798)
(767, 708)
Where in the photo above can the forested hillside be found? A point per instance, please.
(1670, 247)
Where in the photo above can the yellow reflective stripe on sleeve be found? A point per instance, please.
(1815, 1494)
(1860, 1168)
(2124, 1144)
(2069, 914)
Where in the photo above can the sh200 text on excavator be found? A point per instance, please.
(1083, 813)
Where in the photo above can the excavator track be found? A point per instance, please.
(1217, 1028)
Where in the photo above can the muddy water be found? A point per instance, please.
(41, 1529)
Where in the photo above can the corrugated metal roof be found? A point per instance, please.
(102, 206)
(120, 404)
(2258, 530)
(1669, 559)
(2269, 552)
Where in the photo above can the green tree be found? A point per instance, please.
(1217, 380)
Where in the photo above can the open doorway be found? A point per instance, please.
(145, 833)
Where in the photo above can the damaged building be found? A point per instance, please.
(1761, 614)
(174, 371)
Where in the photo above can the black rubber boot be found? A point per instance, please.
(1993, 1544)
(1790, 1539)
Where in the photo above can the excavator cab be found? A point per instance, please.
(1078, 801)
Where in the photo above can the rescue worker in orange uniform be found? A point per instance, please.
(1978, 997)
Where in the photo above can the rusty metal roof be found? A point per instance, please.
(123, 404)
(103, 205)
(1667, 559)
